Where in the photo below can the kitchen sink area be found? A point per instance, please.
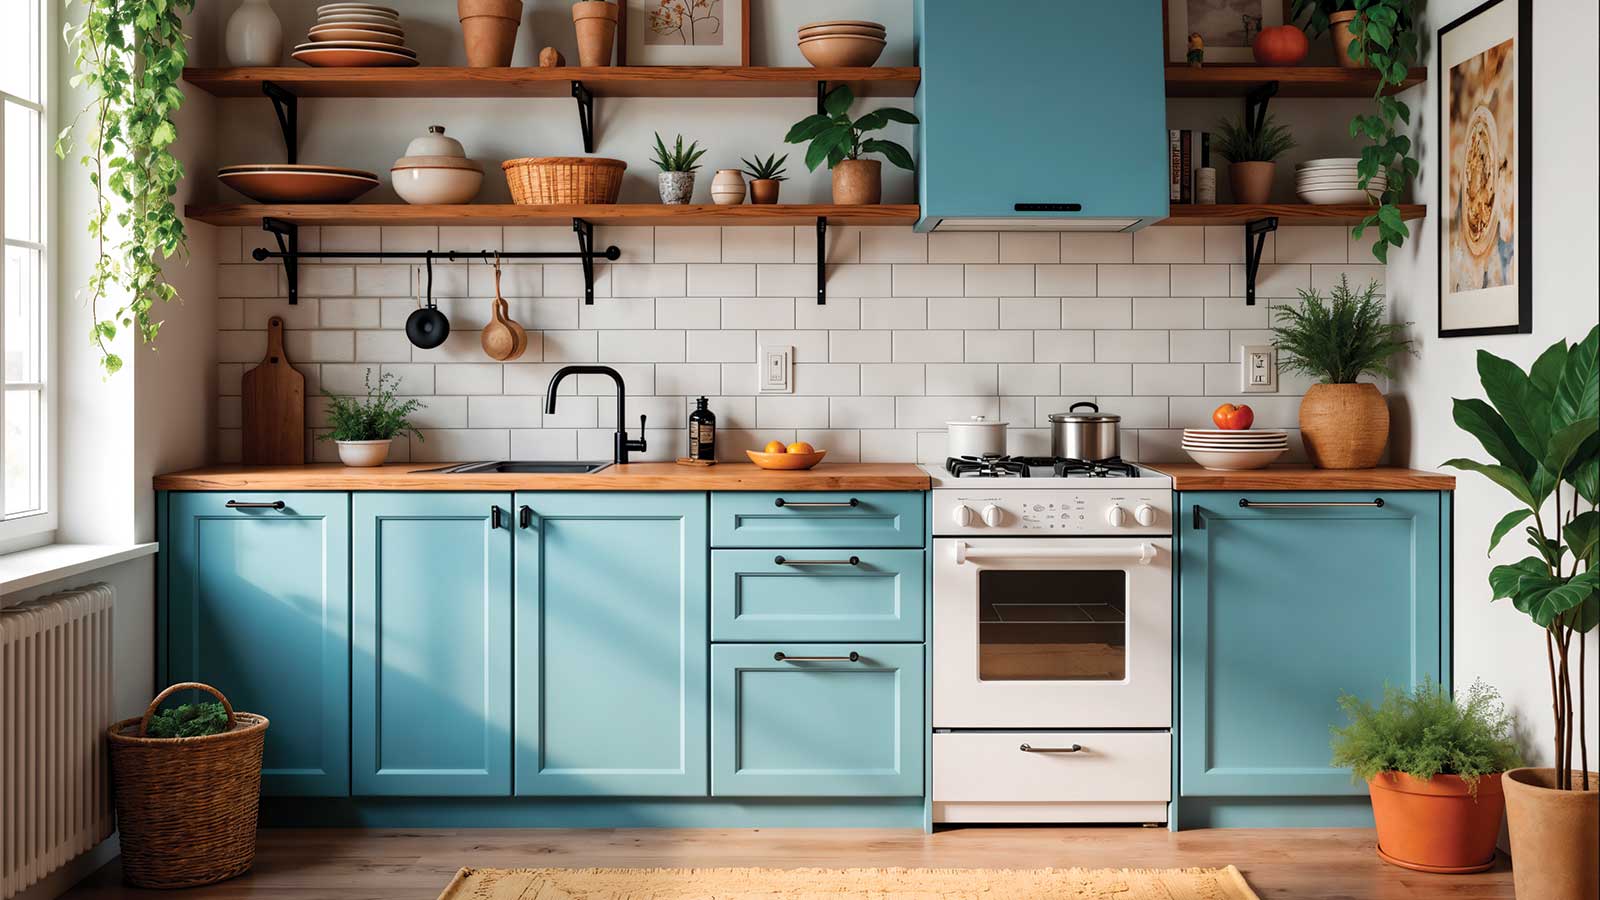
(522, 467)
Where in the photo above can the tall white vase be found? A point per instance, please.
(255, 36)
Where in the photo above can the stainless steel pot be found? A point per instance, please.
(977, 436)
(1091, 436)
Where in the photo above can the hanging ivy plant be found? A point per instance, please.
(129, 55)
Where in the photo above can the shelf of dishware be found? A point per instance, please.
(601, 81)
(1286, 213)
(1292, 81)
(594, 213)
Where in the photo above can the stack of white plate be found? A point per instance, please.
(1327, 181)
(356, 34)
(1217, 449)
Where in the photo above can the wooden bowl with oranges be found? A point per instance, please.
(799, 455)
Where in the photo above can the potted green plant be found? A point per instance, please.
(766, 177)
(1432, 766)
(839, 140)
(1542, 429)
(1344, 422)
(1252, 155)
(365, 428)
(677, 165)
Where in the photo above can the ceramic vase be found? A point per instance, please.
(254, 35)
(595, 22)
(1252, 181)
(489, 30)
(1339, 29)
(727, 187)
(764, 190)
(1554, 834)
(363, 454)
(1344, 426)
(676, 187)
(857, 182)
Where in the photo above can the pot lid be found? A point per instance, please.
(434, 143)
(976, 420)
(436, 162)
(1094, 414)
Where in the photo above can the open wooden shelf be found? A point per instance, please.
(1286, 213)
(601, 81)
(511, 214)
(1293, 81)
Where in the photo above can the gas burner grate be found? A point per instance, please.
(989, 466)
(1095, 468)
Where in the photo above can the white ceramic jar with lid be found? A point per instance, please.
(436, 170)
(977, 436)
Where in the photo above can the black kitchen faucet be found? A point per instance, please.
(622, 443)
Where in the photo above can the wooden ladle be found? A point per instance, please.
(503, 339)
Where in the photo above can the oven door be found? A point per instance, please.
(1053, 633)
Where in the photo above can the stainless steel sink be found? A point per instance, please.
(522, 467)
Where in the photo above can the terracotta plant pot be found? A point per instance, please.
(596, 24)
(1344, 426)
(489, 29)
(1437, 825)
(1252, 181)
(764, 190)
(858, 182)
(676, 187)
(1554, 834)
(1339, 28)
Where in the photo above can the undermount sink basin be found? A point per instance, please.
(522, 467)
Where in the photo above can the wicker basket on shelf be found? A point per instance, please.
(187, 807)
(544, 180)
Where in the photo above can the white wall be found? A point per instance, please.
(1493, 641)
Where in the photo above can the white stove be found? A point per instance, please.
(1053, 498)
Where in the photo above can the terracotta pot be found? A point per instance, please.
(596, 24)
(1437, 825)
(858, 182)
(764, 190)
(1339, 28)
(1252, 181)
(1554, 835)
(676, 187)
(727, 187)
(1344, 426)
(489, 29)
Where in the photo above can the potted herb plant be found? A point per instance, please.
(1432, 765)
(365, 428)
(766, 177)
(677, 166)
(837, 139)
(1252, 155)
(1343, 421)
(1542, 430)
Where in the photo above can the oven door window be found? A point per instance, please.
(1052, 625)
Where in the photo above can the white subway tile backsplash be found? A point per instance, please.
(688, 379)
(778, 411)
(1274, 280)
(1135, 280)
(859, 346)
(809, 346)
(1030, 247)
(997, 346)
(1326, 278)
(508, 411)
(570, 346)
(1172, 244)
(861, 412)
(894, 312)
(689, 312)
(929, 346)
(645, 346)
(1231, 312)
(783, 280)
(381, 281)
(468, 378)
(413, 238)
(1063, 346)
(519, 280)
(934, 412)
(837, 313)
(718, 280)
(1000, 280)
(1199, 346)
(302, 315)
(349, 313)
(661, 280)
(1096, 247)
(1168, 378)
(1028, 379)
(928, 281)
(962, 379)
(1130, 346)
(893, 245)
(856, 281)
(1030, 313)
(545, 443)
(620, 312)
(363, 238)
(892, 379)
(720, 346)
(843, 244)
(1168, 312)
(964, 247)
(1097, 312)
(1067, 280)
(1199, 280)
(449, 445)
(1319, 244)
(964, 312)
(247, 280)
(567, 280)
(758, 312)
(825, 379)
(683, 244)
(1089, 379)
(888, 445)
(755, 244)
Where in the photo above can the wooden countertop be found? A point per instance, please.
(1190, 477)
(655, 476)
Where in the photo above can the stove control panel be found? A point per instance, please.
(1043, 512)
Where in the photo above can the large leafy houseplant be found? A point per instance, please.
(129, 55)
(1542, 428)
(834, 136)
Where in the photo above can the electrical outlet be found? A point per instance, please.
(776, 370)
(1258, 369)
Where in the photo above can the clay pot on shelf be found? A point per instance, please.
(764, 190)
(858, 182)
(1339, 29)
(596, 25)
(1252, 181)
(727, 187)
(1553, 835)
(1344, 426)
(254, 36)
(676, 187)
(1281, 45)
(489, 29)
(1441, 825)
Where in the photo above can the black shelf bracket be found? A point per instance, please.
(1255, 241)
(822, 95)
(287, 107)
(585, 114)
(822, 260)
(1255, 105)
(288, 235)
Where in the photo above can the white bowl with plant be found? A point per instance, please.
(365, 428)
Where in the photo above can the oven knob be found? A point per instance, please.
(963, 516)
(993, 516)
(1144, 514)
(1115, 516)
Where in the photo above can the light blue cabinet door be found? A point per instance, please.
(258, 605)
(817, 519)
(431, 695)
(611, 644)
(823, 728)
(1284, 608)
(816, 595)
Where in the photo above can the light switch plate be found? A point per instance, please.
(775, 370)
(1258, 369)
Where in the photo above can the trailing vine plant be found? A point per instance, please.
(129, 55)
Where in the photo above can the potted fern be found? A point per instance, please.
(1252, 155)
(1344, 422)
(840, 140)
(365, 428)
(766, 177)
(1432, 764)
(677, 165)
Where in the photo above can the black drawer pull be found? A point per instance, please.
(780, 656)
(784, 561)
(494, 516)
(525, 516)
(248, 504)
(1075, 748)
(816, 504)
(1308, 504)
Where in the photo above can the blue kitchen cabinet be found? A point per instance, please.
(1287, 600)
(257, 604)
(816, 595)
(431, 675)
(817, 519)
(611, 638)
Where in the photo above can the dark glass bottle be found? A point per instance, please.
(702, 432)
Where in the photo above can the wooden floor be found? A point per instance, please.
(1331, 864)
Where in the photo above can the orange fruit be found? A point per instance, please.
(773, 447)
(801, 447)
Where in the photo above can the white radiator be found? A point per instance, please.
(55, 704)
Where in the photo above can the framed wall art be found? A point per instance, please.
(686, 32)
(1226, 26)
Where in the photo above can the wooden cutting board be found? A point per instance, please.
(274, 407)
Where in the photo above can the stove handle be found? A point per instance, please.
(1075, 748)
(1143, 554)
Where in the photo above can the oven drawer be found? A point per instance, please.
(1110, 767)
(817, 595)
(817, 519)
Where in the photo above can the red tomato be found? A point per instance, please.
(1283, 45)
(1233, 418)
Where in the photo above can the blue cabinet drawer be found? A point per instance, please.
(816, 595)
(815, 723)
(817, 519)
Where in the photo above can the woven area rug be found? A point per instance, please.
(835, 884)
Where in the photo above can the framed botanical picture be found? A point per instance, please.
(685, 33)
(1485, 187)
(1226, 27)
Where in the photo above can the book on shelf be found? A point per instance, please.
(1188, 151)
(1174, 170)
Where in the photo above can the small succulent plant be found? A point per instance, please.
(679, 158)
(769, 169)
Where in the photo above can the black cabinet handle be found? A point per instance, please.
(1308, 504)
(494, 516)
(785, 561)
(248, 504)
(1075, 748)
(816, 504)
(780, 656)
(525, 516)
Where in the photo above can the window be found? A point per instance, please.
(25, 170)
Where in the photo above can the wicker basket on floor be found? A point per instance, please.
(186, 807)
(543, 180)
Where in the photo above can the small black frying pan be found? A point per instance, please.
(427, 327)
